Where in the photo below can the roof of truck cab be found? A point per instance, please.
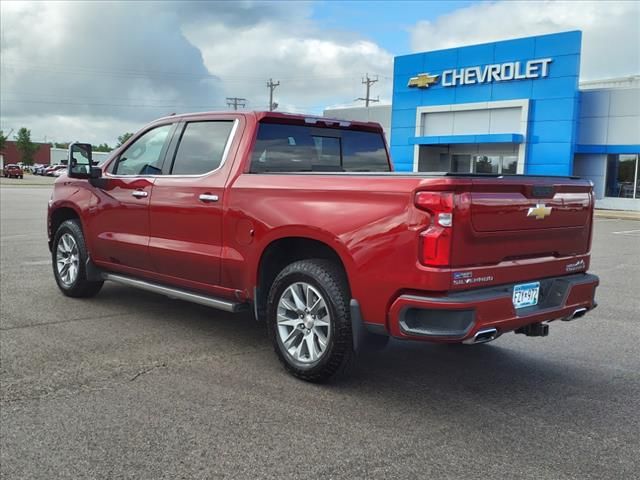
(281, 116)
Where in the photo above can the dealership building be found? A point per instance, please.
(513, 107)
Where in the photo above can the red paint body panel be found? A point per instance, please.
(369, 220)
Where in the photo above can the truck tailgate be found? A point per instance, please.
(518, 218)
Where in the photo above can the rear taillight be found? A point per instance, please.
(435, 241)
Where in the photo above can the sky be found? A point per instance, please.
(90, 71)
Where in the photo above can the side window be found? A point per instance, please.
(144, 156)
(201, 147)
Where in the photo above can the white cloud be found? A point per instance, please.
(611, 30)
(92, 70)
(314, 68)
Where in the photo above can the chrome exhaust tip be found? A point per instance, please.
(483, 336)
(576, 314)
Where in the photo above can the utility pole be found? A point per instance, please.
(272, 86)
(368, 82)
(236, 102)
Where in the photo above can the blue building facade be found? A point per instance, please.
(503, 107)
(514, 107)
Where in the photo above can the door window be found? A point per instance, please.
(461, 163)
(486, 164)
(623, 179)
(503, 164)
(144, 156)
(510, 164)
(201, 147)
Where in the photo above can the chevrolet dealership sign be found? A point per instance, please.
(499, 72)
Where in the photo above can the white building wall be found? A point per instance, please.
(378, 113)
(592, 167)
(610, 116)
(60, 155)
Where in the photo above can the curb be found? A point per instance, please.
(617, 214)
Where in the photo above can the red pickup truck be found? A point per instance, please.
(302, 220)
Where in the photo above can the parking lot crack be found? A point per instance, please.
(147, 370)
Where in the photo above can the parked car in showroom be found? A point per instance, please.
(12, 170)
(302, 221)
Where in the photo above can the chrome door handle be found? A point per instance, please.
(207, 197)
(139, 194)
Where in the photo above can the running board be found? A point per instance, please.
(171, 292)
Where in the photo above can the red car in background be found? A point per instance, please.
(12, 170)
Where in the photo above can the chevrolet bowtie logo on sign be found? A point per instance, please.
(423, 80)
(540, 211)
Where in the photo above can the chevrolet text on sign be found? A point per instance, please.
(538, 68)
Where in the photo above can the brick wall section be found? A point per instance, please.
(11, 154)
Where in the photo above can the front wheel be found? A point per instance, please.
(69, 257)
(309, 320)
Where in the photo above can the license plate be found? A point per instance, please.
(526, 295)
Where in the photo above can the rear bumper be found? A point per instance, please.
(459, 316)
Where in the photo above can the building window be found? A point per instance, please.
(622, 176)
(494, 164)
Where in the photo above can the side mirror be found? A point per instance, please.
(79, 164)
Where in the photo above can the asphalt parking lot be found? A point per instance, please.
(135, 385)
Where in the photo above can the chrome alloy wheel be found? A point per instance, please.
(67, 259)
(303, 322)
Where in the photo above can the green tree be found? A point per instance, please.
(123, 138)
(103, 147)
(3, 140)
(25, 146)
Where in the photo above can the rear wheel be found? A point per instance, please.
(69, 256)
(309, 321)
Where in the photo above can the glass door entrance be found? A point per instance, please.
(491, 163)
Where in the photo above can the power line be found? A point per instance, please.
(368, 82)
(128, 105)
(272, 86)
(236, 101)
(128, 73)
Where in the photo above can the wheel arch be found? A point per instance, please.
(60, 215)
(283, 251)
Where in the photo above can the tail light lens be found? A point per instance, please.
(435, 241)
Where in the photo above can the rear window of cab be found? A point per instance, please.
(304, 148)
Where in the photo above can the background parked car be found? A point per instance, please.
(12, 170)
(59, 171)
(34, 168)
(50, 172)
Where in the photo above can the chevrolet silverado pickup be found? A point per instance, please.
(302, 221)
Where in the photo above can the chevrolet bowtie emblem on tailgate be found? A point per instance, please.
(422, 81)
(540, 211)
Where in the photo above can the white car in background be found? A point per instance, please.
(58, 170)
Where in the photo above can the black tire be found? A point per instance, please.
(20, 177)
(80, 287)
(330, 281)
